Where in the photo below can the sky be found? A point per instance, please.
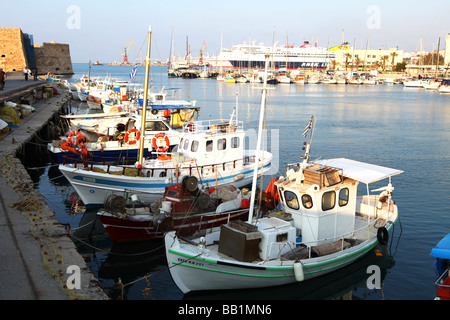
(100, 30)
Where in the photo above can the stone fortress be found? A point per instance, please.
(18, 51)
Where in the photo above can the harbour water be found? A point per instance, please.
(402, 128)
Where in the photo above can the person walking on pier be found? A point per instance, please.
(26, 73)
(2, 79)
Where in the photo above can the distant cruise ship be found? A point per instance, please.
(245, 56)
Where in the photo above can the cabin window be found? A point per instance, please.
(307, 201)
(181, 143)
(328, 200)
(291, 200)
(235, 142)
(194, 146)
(343, 197)
(221, 144)
(186, 144)
(209, 145)
(155, 126)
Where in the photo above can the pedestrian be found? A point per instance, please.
(34, 74)
(25, 73)
(2, 79)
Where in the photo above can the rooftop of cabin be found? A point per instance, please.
(313, 175)
(213, 126)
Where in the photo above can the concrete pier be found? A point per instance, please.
(38, 259)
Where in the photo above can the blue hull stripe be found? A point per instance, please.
(153, 185)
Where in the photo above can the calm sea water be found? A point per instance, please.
(402, 128)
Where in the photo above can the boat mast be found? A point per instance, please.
(437, 59)
(258, 143)
(144, 103)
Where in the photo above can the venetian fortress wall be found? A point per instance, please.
(18, 51)
(12, 57)
(54, 58)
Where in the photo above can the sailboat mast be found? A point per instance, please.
(144, 103)
(258, 143)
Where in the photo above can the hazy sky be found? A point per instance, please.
(99, 30)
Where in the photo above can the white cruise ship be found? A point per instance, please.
(247, 56)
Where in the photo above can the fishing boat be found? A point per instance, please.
(299, 79)
(312, 79)
(112, 136)
(432, 84)
(322, 227)
(213, 151)
(441, 252)
(413, 83)
(282, 76)
(445, 86)
(185, 208)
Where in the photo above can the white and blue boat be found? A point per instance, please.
(112, 136)
(212, 151)
(442, 267)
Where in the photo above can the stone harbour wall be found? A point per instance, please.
(53, 58)
(12, 57)
(50, 57)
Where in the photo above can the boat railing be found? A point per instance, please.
(342, 237)
(128, 166)
(213, 126)
(440, 281)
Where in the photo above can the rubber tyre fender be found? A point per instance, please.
(382, 235)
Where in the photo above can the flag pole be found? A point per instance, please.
(309, 128)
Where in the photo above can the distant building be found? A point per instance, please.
(18, 51)
(447, 50)
(367, 59)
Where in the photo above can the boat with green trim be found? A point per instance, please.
(323, 225)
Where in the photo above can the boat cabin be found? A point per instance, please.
(321, 201)
(207, 141)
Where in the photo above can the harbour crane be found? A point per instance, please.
(202, 53)
(125, 52)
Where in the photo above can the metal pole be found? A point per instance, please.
(144, 103)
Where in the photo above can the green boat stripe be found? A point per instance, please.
(355, 255)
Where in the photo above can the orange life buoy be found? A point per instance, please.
(138, 135)
(80, 137)
(158, 140)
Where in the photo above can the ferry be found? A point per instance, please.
(251, 56)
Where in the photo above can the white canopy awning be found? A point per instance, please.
(363, 172)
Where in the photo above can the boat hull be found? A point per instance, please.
(58, 155)
(94, 187)
(217, 274)
(196, 268)
(127, 230)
